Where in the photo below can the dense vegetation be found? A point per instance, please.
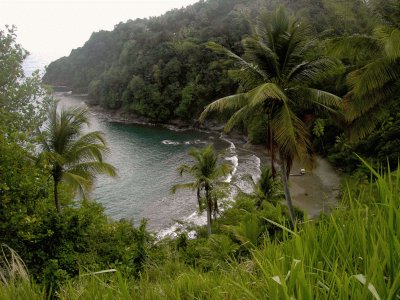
(160, 68)
(39, 218)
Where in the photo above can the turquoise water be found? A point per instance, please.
(146, 158)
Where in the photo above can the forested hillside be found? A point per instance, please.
(332, 87)
(160, 67)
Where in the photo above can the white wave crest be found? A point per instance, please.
(235, 162)
(195, 218)
(251, 166)
(169, 142)
(175, 143)
(197, 142)
(232, 146)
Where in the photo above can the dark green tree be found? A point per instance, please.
(374, 86)
(276, 74)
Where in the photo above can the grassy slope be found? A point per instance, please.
(354, 252)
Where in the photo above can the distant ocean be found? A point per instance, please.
(35, 62)
(146, 158)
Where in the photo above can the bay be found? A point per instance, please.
(147, 158)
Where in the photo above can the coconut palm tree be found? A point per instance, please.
(207, 173)
(74, 157)
(276, 75)
(375, 84)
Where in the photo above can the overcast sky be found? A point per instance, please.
(54, 27)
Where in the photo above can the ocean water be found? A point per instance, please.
(147, 158)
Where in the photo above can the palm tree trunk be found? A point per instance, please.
(214, 209)
(271, 147)
(198, 197)
(56, 201)
(272, 158)
(287, 194)
(209, 206)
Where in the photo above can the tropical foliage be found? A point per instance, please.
(23, 101)
(354, 253)
(208, 174)
(74, 157)
(161, 69)
(374, 84)
(267, 188)
(54, 246)
(276, 76)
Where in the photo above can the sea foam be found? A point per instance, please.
(251, 166)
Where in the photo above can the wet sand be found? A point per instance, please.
(314, 192)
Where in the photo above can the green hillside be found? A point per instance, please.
(318, 77)
(160, 68)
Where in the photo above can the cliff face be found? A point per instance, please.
(160, 68)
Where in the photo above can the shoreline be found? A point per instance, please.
(315, 192)
(118, 116)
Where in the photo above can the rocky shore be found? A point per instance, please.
(316, 191)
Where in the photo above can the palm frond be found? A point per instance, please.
(92, 168)
(354, 47)
(51, 158)
(390, 38)
(77, 116)
(291, 135)
(239, 116)
(356, 106)
(266, 91)
(240, 62)
(310, 71)
(222, 170)
(297, 37)
(323, 99)
(190, 185)
(373, 77)
(227, 103)
(78, 183)
(363, 125)
(244, 78)
(259, 54)
(90, 146)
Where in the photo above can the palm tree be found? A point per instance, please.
(73, 156)
(267, 188)
(276, 77)
(207, 173)
(375, 84)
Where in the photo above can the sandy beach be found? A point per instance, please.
(314, 192)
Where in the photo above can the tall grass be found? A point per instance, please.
(354, 253)
(14, 278)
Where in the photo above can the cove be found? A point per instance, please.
(146, 158)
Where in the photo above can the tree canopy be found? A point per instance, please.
(160, 68)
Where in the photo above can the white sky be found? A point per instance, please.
(52, 28)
